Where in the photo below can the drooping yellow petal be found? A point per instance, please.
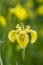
(20, 12)
(12, 35)
(33, 36)
(3, 21)
(22, 40)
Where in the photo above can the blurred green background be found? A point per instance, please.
(10, 54)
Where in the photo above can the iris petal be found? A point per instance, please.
(33, 36)
(22, 40)
(12, 35)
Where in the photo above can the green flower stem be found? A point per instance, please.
(23, 54)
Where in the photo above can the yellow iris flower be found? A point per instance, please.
(21, 35)
(19, 11)
(40, 10)
(2, 21)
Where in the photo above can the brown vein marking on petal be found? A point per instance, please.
(22, 37)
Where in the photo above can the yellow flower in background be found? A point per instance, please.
(40, 10)
(21, 35)
(2, 21)
(19, 11)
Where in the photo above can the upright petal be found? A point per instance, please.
(27, 29)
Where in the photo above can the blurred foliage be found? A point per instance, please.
(11, 54)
